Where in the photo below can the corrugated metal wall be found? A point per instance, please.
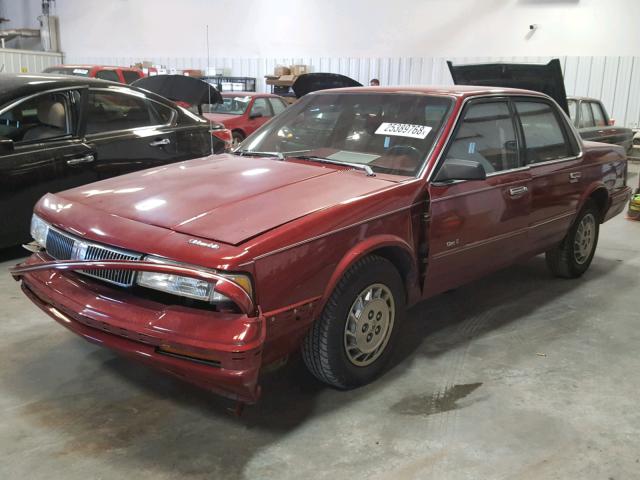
(27, 61)
(616, 80)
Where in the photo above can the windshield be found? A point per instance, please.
(387, 132)
(77, 71)
(572, 110)
(236, 105)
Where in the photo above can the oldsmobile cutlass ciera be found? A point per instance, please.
(319, 231)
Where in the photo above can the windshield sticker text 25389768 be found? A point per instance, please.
(403, 130)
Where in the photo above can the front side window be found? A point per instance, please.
(278, 105)
(598, 115)
(544, 136)
(586, 117)
(108, 75)
(260, 108)
(109, 111)
(391, 133)
(487, 136)
(46, 116)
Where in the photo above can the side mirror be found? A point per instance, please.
(457, 169)
(6, 145)
(255, 115)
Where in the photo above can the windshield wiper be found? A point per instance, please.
(250, 153)
(359, 166)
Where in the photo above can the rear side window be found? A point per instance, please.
(598, 115)
(109, 111)
(108, 75)
(486, 135)
(544, 136)
(130, 76)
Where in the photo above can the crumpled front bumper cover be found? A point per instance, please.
(152, 332)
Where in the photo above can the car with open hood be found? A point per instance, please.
(588, 115)
(320, 230)
(58, 132)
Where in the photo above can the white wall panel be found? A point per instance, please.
(27, 61)
(615, 80)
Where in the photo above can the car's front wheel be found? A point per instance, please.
(572, 257)
(350, 343)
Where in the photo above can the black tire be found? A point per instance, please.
(238, 137)
(324, 349)
(565, 260)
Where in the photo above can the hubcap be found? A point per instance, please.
(369, 325)
(584, 239)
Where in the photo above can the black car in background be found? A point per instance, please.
(592, 121)
(58, 132)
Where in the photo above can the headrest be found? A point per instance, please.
(51, 113)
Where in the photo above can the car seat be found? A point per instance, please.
(52, 118)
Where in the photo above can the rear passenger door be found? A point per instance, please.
(552, 154)
(128, 131)
(478, 226)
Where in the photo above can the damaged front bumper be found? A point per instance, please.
(218, 351)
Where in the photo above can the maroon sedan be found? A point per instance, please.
(318, 233)
(244, 112)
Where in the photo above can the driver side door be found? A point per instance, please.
(478, 226)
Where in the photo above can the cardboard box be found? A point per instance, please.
(299, 69)
(281, 70)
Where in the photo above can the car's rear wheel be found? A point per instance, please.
(572, 257)
(350, 343)
(237, 139)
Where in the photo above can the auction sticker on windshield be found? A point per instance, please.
(403, 130)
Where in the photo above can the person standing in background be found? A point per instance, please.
(374, 82)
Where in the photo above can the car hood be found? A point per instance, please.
(546, 79)
(311, 82)
(225, 198)
(221, 117)
(180, 88)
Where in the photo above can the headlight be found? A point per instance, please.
(39, 230)
(186, 286)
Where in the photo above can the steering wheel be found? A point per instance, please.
(404, 150)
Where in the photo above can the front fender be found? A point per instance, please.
(357, 252)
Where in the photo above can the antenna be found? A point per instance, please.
(209, 92)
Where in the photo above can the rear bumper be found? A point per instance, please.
(618, 203)
(221, 352)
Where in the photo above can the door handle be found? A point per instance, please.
(574, 177)
(517, 191)
(159, 143)
(78, 160)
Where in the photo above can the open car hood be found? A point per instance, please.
(311, 82)
(180, 88)
(546, 79)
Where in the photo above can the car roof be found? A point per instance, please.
(461, 91)
(579, 98)
(89, 67)
(248, 94)
(17, 85)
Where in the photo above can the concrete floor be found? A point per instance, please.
(519, 376)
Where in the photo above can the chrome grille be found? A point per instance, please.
(119, 277)
(59, 246)
(62, 246)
